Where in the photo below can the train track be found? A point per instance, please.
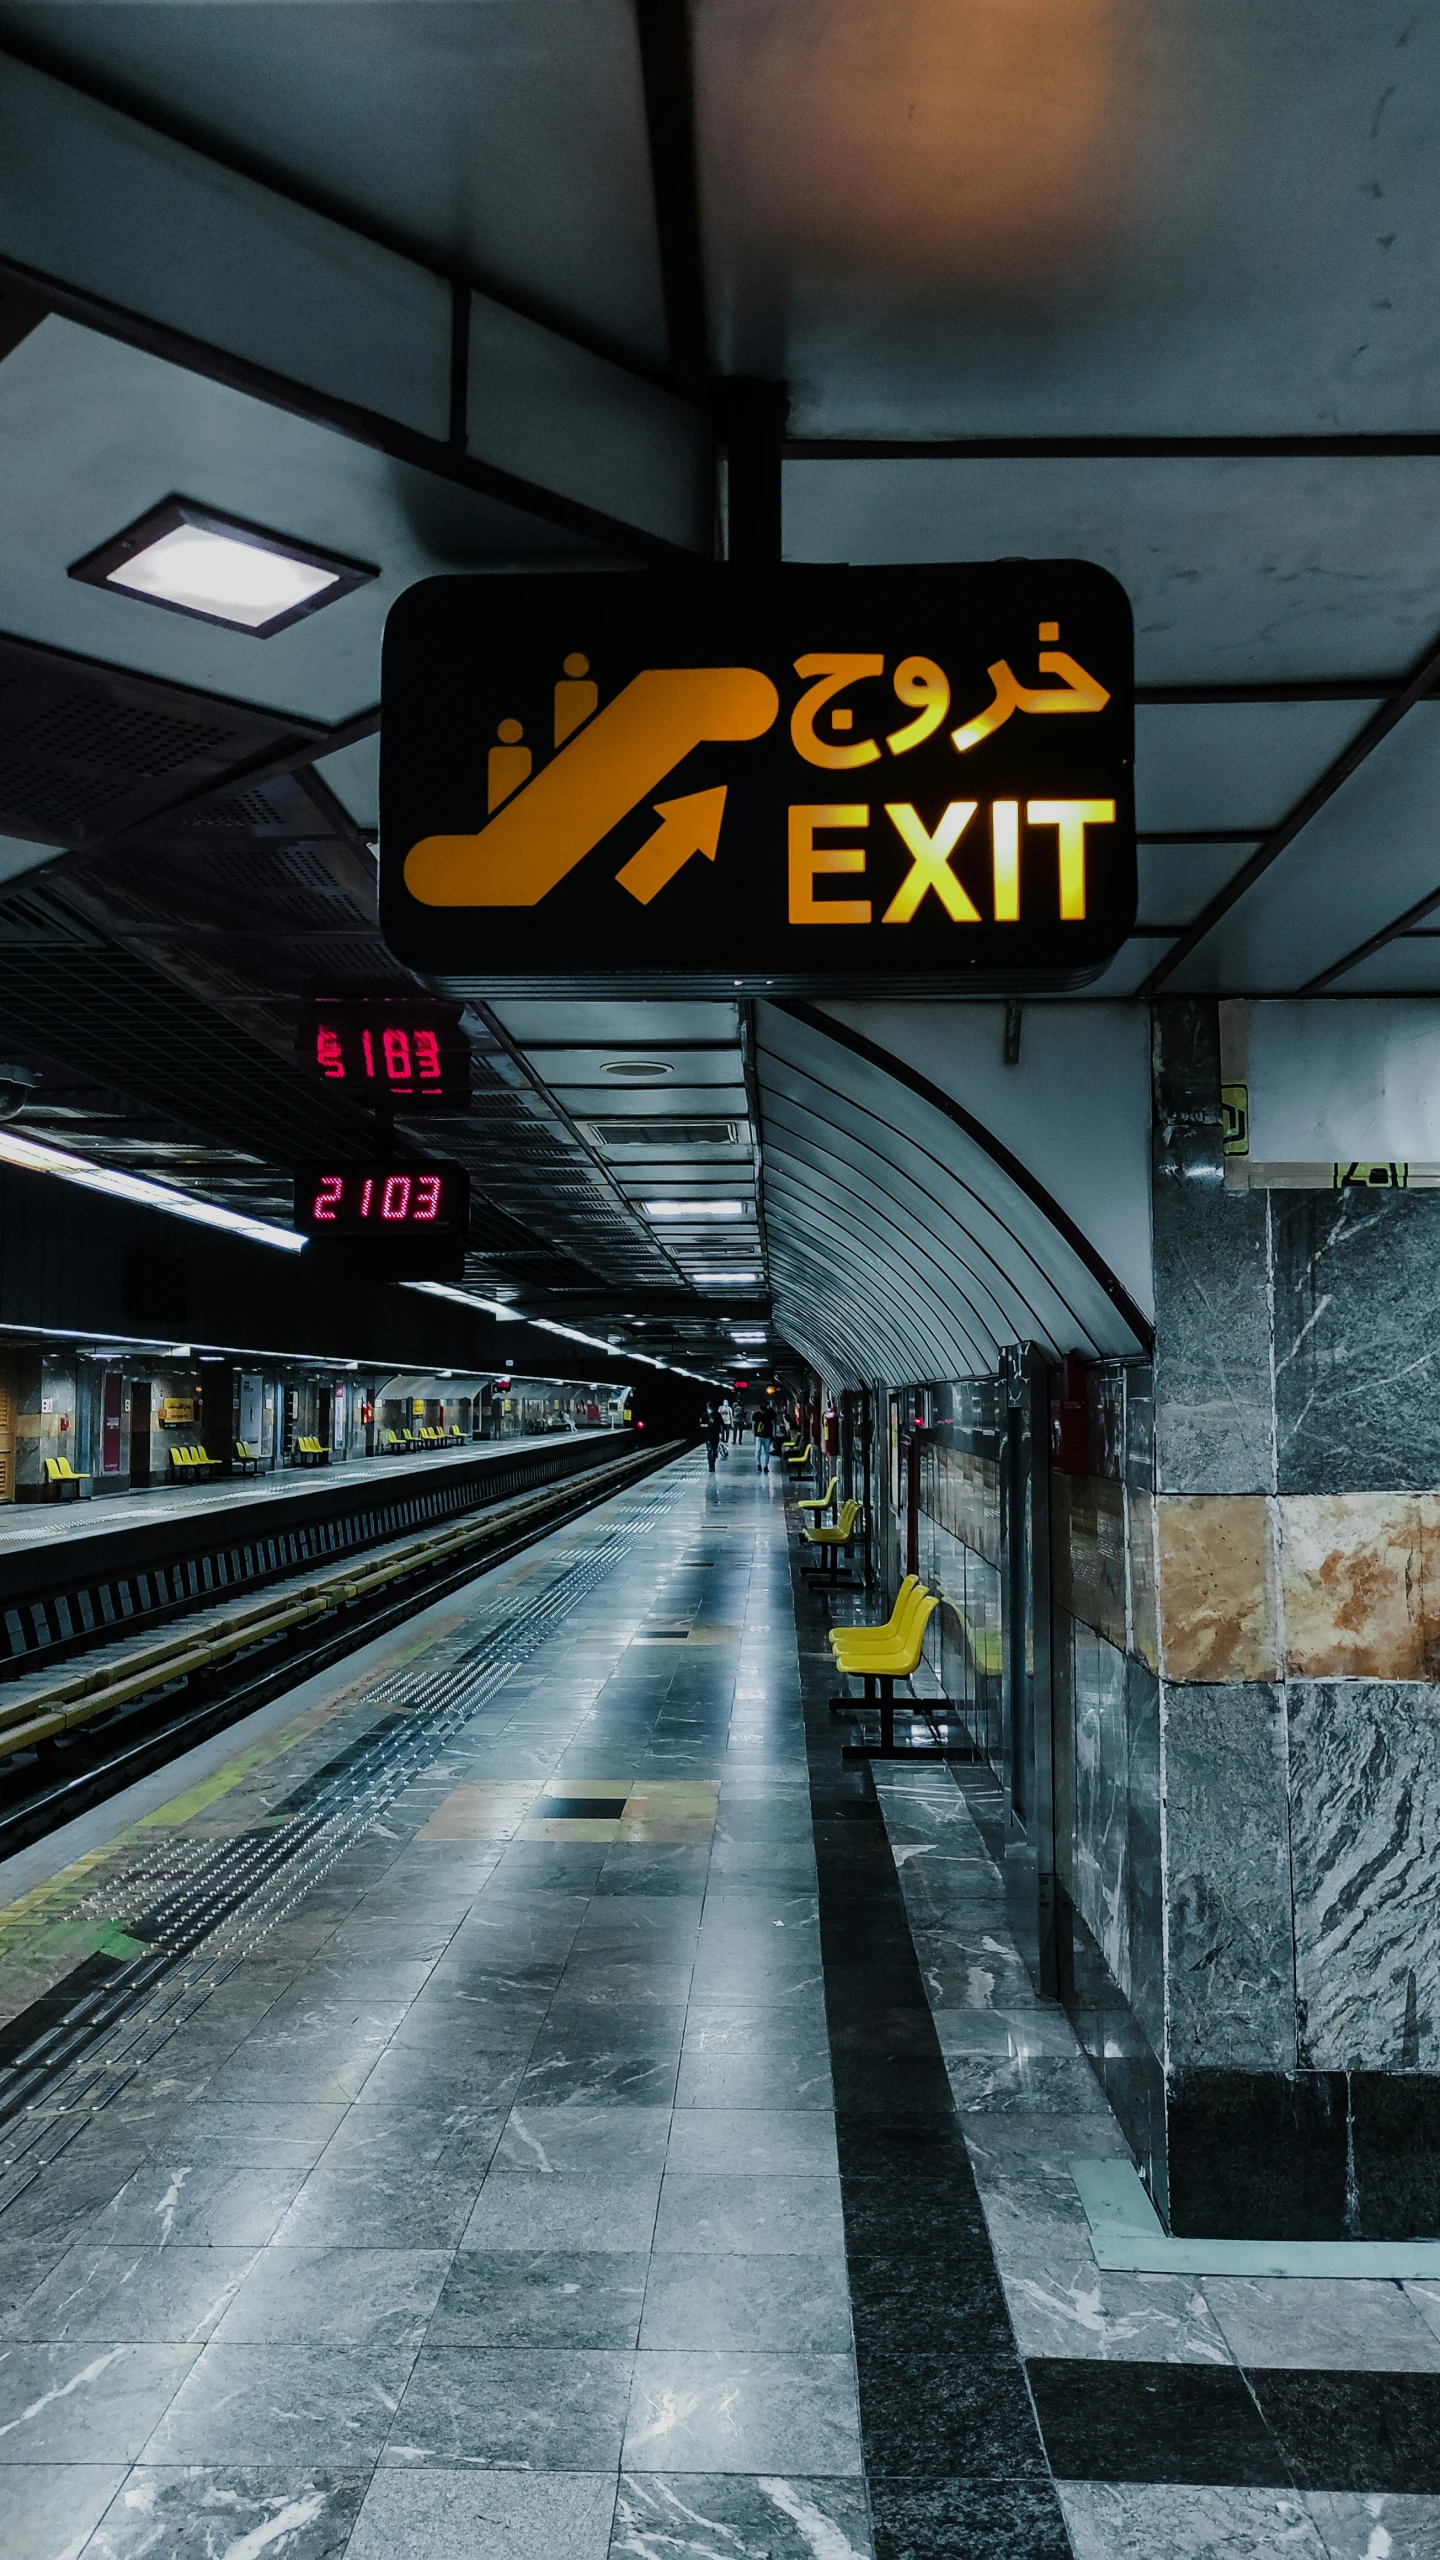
(74, 1740)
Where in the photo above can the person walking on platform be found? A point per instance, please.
(762, 1441)
(711, 1429)
(727, 1417)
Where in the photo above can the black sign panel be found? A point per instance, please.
(387, 1220)
(388, 1049)
(805, 779)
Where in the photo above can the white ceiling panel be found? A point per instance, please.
(508, 138)
(1371, 852)
(1177, 880)
(1238, 571)
(939, 217)
(1204, 765)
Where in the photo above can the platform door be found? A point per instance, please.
(7, 1433)
(112, 1395)
(140, 1432)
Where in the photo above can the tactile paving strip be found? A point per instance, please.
(198, 1907)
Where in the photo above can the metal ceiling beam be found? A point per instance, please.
(132, 231)
(1421, 682)
(668, 72)
(1116, 448)
(1365, 950)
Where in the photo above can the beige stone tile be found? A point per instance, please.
(556, 1828)
(1359, 1601)
(1218, 1612)
(480, 1809)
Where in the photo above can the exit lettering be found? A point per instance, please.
(930, 850)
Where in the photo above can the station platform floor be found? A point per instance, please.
(39, 1524)
(526, 2097)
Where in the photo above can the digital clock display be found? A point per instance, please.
(389, 1199)
(408, 1051)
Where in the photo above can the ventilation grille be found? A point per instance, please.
(247, 809)
(668, 1135)
(126, 741)
(44, 797)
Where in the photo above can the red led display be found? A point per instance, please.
(388, 1219)
(410, 1052)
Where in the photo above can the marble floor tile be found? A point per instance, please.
(1068, 2307)
(440, 2513)
(992, 2084)
(1376, 2528)
(109, 2296)
(543, 2298)
(1310, 2324)
(106, 2400)
(49, 2508)
(1128, 2522)
(336, 2298)
(364, 2204)
(799, 2079)
(784, 2304)
(283, 2403)
(729, 2516)
(458, 2075)
(528, 2408)
(751, 2142)
(544, 2140)
(728, 2410)
(205, 2512)
(732, 2216)
(572, 2212)
(566, 2069)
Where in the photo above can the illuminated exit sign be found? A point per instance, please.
(803, 780)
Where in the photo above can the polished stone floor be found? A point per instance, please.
(548, 2105)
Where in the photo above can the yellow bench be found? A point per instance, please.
(62, 1479)
(884, 1655)
(310, 1452)
(246, 1458)
(800, 1458)
(818, 1502)
(833, 1542)
(194, 1461)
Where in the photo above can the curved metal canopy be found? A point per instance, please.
(904, 1242)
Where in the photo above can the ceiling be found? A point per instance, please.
(464, 284)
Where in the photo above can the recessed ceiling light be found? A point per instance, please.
(747, 1337)
(638, 1070)
(218, 569)
(725, 1279)
(694, 1208)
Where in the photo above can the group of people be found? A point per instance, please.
(725, 1423)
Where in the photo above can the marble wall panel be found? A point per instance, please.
(1213, 1408)
(1227, 1854)
(1357, 1353)
(1360, 1577)
(1364, 1764)
(1087, 1540)
(1102, 1756)
(1062, 1730)
(1219, 1615)
(1140, 1566)
(1145, 1884)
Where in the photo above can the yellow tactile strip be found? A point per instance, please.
(646, 1809)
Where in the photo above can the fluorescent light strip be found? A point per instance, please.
(724, 1279)
(694, 1208)
(33, 1157)
(544, 1324)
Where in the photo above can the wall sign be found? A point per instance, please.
(386, 1220)
(804, 779)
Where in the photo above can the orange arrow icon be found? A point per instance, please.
(689, 825)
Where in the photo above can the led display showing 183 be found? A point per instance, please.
(397, 1049)
(386, 1219)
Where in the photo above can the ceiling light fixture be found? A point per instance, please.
(725, 1279)
(694, 1208)
(217, 568)
(32, 1157)
(748, 1337)
(638, 1070)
